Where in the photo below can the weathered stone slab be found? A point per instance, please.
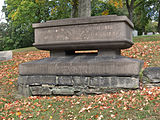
(81, 80)
(151, 85)
(84, 81)
(152, 74)
(79, 85)
(63, 91)
(115, 82)
(84, 33)
(67, 80)
(5, 55)
(45, 79)
(40, 90)
(24, 90)
(82, 65)
(151, 77)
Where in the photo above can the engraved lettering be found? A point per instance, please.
(83, 32)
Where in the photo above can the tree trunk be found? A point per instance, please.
(84, 8)
(74, 12)
(130, 8)
(130, 14)
(159, 22)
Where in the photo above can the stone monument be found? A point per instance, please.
(69, 73)
(5, 55)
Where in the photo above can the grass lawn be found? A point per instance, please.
(141, 104)
(146, 38)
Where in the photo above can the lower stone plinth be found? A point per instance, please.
(83, 66)
(76, 75)
(73, 85)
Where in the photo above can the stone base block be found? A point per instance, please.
(5, 55)
(73, 85)
(83, 66)
(151, 77)
(24, 90)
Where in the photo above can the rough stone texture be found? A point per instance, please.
(84, 8)
(150, 85)
(97, 81)
(67, 80)
(29, 80)
(84, 33)
(151, 76)
(81, 80)
(63, 91)
(82, 65)
(40, 90)
(67, 73)
(5, 55)
(77, 85)
(24, 90)
(114, 82)
(86, 20)
(113, 53)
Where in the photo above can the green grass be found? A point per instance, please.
(27, 49)
(146, 38)
(135, 105)
(132, 105)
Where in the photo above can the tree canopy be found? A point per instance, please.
(21, 14)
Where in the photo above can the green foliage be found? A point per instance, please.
(141, 18)
(153, 6)
(3, 29)
(21, 14)
(4, 33)
(151, 27)
(1, 39)
(100, 7)
(61, 9)
(155, 11)
(6, 43)
(151, 11)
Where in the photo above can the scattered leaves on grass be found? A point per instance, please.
(135, 104)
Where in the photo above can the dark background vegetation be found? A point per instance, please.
(17, 32)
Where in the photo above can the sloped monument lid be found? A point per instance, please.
(84, 20)
(100, 32)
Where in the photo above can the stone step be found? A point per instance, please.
(83, 65)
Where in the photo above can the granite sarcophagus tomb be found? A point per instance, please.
(68, 73)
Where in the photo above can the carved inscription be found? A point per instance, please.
(100, 32)
(80, 33)
(92, 32)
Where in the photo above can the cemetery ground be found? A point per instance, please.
(143, 103)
